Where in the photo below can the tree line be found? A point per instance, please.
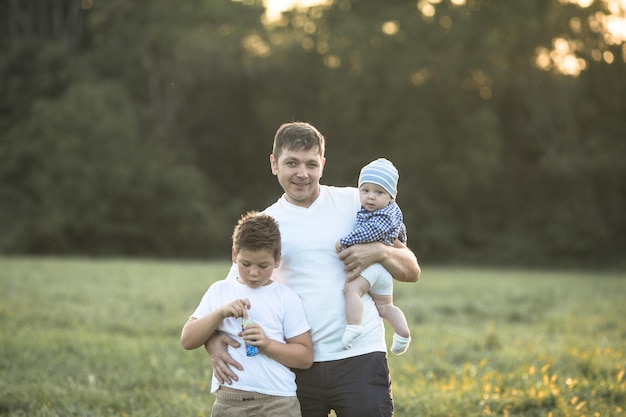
(144, 128)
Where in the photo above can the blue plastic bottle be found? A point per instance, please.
(250, 350)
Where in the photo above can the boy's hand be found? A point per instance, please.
(254, 335)
(237, 308)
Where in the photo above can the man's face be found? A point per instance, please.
(299, 174)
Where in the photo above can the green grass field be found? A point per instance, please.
(84, 337)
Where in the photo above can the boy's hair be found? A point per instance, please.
(296, 136)
(257, 231)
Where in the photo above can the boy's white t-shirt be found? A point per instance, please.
(279, 311)
(311, 267)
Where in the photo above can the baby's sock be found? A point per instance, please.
(351, 332)
(400, 344)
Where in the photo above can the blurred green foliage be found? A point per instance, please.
(144, 128)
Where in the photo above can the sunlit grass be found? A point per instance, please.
(100, 338)
(513, 343)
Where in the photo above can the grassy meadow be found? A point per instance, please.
(82, 337)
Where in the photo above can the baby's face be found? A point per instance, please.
(373, 196)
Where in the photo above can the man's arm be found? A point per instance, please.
(399, 260)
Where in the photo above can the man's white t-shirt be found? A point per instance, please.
(279, 311)
(311, 267)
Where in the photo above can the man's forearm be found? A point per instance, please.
(401, 263)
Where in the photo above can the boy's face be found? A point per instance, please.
(373, 196)
(255, 266)
(299, 174)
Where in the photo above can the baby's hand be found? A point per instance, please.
(237, 308)
(338, 247)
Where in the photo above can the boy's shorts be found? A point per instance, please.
(238, 404)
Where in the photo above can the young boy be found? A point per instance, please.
(280, 331)
(379, 220)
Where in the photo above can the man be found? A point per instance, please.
(312, 217)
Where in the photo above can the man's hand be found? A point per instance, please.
(217, 348)
(358, 257)
(399, 260)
